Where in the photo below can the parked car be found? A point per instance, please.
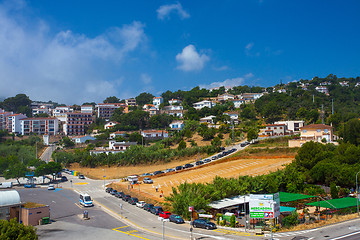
(118, 194)
(113, 192)
(108, 189)
(121, 195)
(148, 207)
(81, 176)
(222, 148)
(176, 219)
(207, 160)
(165, 215)
(126, 198)
(63, 179)
(158, 172)
(148, 180)
(199, 163)
(140, 204)
(51, 187)
(203, 223)
(169, 170)
(178, 168)
(188, 165)
(145, 174)
(156, 210)
(133, 201)
(242, 144)
(213, 158)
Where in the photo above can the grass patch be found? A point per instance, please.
(33, 205)
(272, 142)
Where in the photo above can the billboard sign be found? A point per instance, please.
(264, 206)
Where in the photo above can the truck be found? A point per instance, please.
(6, 185)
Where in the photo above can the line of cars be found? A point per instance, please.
(190, 165)
(157, 210)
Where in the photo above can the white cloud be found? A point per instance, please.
(232, 82)
(222, 68)
(165, 10)
(65, 67)
(190, 60)
(146, 79)
(248, 50)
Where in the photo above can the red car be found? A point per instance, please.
(165, 215)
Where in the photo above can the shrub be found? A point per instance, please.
(232, 221)
(291, 220)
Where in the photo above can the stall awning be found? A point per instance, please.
(335, 203)
(289, 197)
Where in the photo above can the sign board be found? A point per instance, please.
(265, 206)
(191, 209)
(206, 215)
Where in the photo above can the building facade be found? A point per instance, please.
(76, 123)
(39, 126)
(202, 104)
(130, 102)
(105, 110)
(87, 109)
(157, 101)
(13, 123)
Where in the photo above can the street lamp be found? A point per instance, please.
(104, 177)
(357, 195)
(163, 228)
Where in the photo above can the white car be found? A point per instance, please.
(148, 180)
(140, 204)
(51, 187)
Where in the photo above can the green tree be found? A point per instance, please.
(13, 230)
(67, 142)
(352, 132)
(18, 104)
(334, 192)
(16, 169)
(144, 98)
(216, 142)
(112, 99)
(291, 220)
(182, 145)
(252, 134)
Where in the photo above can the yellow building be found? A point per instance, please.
(315, 133)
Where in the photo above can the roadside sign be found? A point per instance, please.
(265, 206)
(191, 209)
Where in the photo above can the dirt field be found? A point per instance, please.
(206, 173)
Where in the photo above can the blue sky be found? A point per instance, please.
(78, 51)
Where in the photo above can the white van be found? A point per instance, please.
(6, 185)
(133, 179)
(86, 200)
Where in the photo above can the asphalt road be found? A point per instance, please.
(46, 156)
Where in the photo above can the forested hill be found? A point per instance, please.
(307, 103)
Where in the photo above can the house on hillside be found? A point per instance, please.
(202, 104)
(274, 130)
(315, 133)
(177, 125)
(173, 110)
(82, 139)
(292, 125)
(157, 101)
(225, 97)
(234, 116)
(117, 134)
(154, 134)
(110, 125)
(208, 119)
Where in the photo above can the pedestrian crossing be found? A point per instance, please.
(290, 234)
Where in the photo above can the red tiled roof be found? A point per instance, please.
(316, 126)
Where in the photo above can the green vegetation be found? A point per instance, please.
(12, 230)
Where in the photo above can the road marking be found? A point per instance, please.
(81, 183)
(129, 233)
(233, 232)
(347, 235)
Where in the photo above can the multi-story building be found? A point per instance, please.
(3, 119)
(322, 89)
(202, 104)
(225, 97)
(87, 109)
(274, 130)
(39, 126)
(208, 119)
(157, 101)
(43, 109)
(105, 110)
(13, 122)
(173, 110)
(60, 112)
(314, 132)
(292, 125)
(151, 109)
(175, 101)
(177, 125)
(250, 96)
(130, 102)
(76, 123)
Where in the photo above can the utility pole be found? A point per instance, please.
(332, 106)
(233, 135)
(322, 113)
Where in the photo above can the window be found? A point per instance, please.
(304, 131)
(326, 130)
(318, 130)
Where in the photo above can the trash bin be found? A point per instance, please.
(86, 214)
(45, 220)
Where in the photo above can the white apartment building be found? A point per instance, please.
(13, 122)
(202, 104)
(60, 112)
(39, 126)
(157, 101)
(87, 109)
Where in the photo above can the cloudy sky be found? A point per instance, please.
(82, 51)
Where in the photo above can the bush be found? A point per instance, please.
(218, 216)
(14, 230)
(291, 220)
(232, 221)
